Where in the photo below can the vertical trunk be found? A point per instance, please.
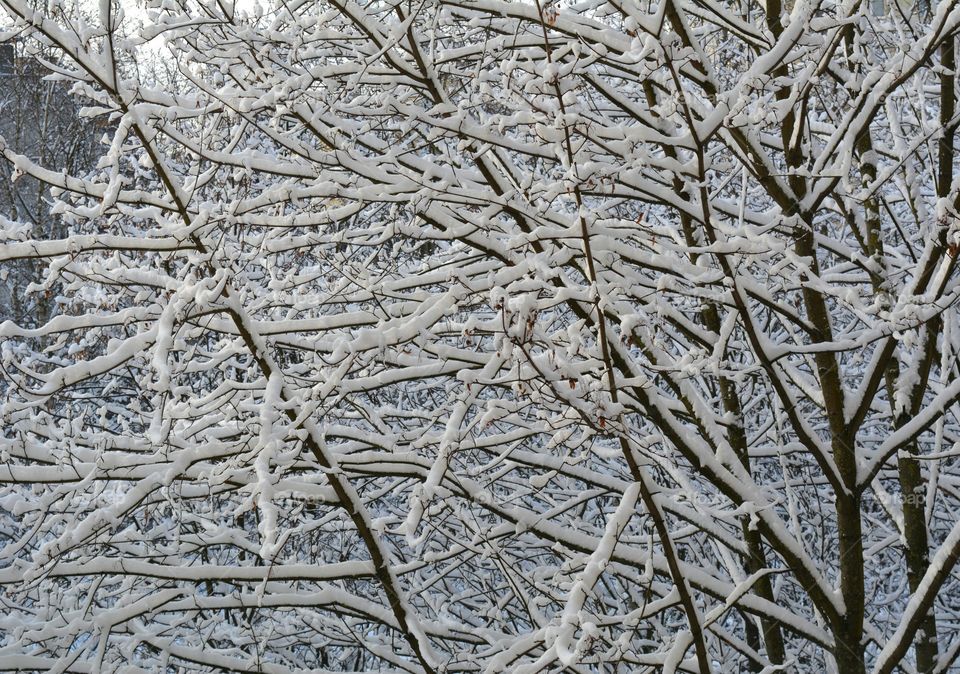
(915, 534)
(948, 63)
(917, 552)
(848, 631)
(913, 491)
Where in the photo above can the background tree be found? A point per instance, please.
(39, 119)
(476, 335)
